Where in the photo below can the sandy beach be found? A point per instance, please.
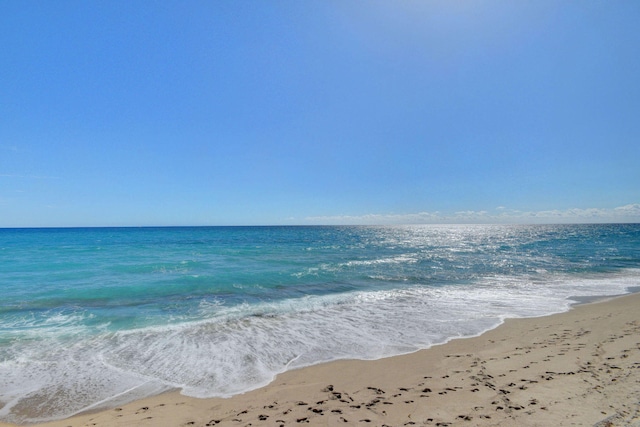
(579, 368)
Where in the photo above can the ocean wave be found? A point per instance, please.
(240, 348)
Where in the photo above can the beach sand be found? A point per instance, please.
(580, 368)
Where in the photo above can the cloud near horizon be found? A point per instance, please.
(502, 215)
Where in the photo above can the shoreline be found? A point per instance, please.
(579, 367)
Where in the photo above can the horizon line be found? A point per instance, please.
(45, 227)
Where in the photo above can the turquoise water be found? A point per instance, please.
(100, 316)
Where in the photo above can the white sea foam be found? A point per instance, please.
(242, 347)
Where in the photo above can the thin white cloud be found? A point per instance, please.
(631, 210)
(503, 215)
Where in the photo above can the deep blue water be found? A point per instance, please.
(99, 316)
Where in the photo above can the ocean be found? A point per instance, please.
(96, 317)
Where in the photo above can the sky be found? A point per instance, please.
(134, 113)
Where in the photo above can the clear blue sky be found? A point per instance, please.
(305, 112)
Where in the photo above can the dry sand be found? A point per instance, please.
(580, 368)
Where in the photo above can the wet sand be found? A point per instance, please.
(580, 368)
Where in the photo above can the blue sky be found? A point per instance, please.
(318, 112)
